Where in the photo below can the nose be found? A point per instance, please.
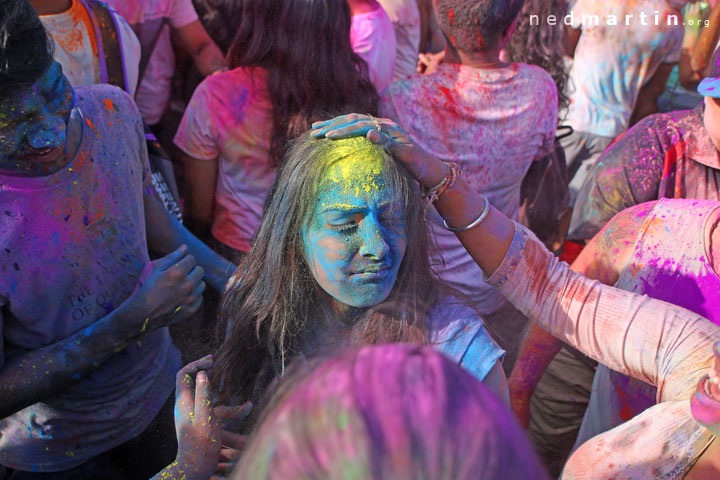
(49, 131)
(374, 245)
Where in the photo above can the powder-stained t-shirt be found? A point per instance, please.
(372, 36)
(670, 262)
(493, 124)
(659, 343)
(230, 118)
(72, 247)
(458, 332)
(153, 94)
(665, 155)
(613, 62)
(405, 17)
(76, 46)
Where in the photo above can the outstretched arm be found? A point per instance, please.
(165, 233)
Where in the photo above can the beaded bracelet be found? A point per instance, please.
(476, 222)
(447, 182)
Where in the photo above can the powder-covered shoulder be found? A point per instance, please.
(540, 78)
(449, 310)
(107, 102)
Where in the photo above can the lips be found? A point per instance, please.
(41, 154)
(372, 273)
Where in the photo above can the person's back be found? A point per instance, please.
(492, 119)
(614, 60)
(239, 123)
(405, 16)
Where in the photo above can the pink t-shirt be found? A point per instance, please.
(372, 36)
(493, 124)
(230, 118)
(153, 94)
(72, 246)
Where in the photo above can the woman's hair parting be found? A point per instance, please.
(475, 25)
(273, 301)
(313, 73)
(544, 44)
(386, 412)
(25, 47)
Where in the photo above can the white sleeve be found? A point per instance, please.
(131, 52)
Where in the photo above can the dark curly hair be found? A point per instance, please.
(25, 47)
(543, 44)
(313, 73)
(475, 25)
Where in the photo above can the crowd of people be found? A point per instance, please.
(444, 239)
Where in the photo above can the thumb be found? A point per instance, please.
(171, 259)
(380, 138)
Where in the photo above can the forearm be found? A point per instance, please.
(536, 352)
(705, 46)
(179, 470)
(165, 234)
(653, 341)
(36, 375)
(208, 58)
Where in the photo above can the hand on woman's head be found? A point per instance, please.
(386, 133)
(355, 238)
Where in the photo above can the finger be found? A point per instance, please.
(196, 274)
(229, 455)
(317, 125)
(227, 413)
(204, 363)
(184, 395)
(185, 265)
(198, 291)
(234, 440)
(357, 129)
(171, 259)
(203, 403)
(224, 468)
(341, 122)
(379, 138)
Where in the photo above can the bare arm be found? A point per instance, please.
(603, 259)
(196, 41)
(700, 60)
(202, 179)
(646, 103)
(165, 233)
(688, 77)
(572, 38)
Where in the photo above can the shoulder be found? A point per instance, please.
(108, 108)
(459, 332)
(108, 99)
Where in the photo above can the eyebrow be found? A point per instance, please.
(344, 208)
(339, 207)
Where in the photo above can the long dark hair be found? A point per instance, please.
(313, 72)
(543, 44)
(273, 302)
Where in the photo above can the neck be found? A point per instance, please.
(358, 7)
(480, 60)
(50, 7)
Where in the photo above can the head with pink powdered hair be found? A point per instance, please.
(385, 412)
